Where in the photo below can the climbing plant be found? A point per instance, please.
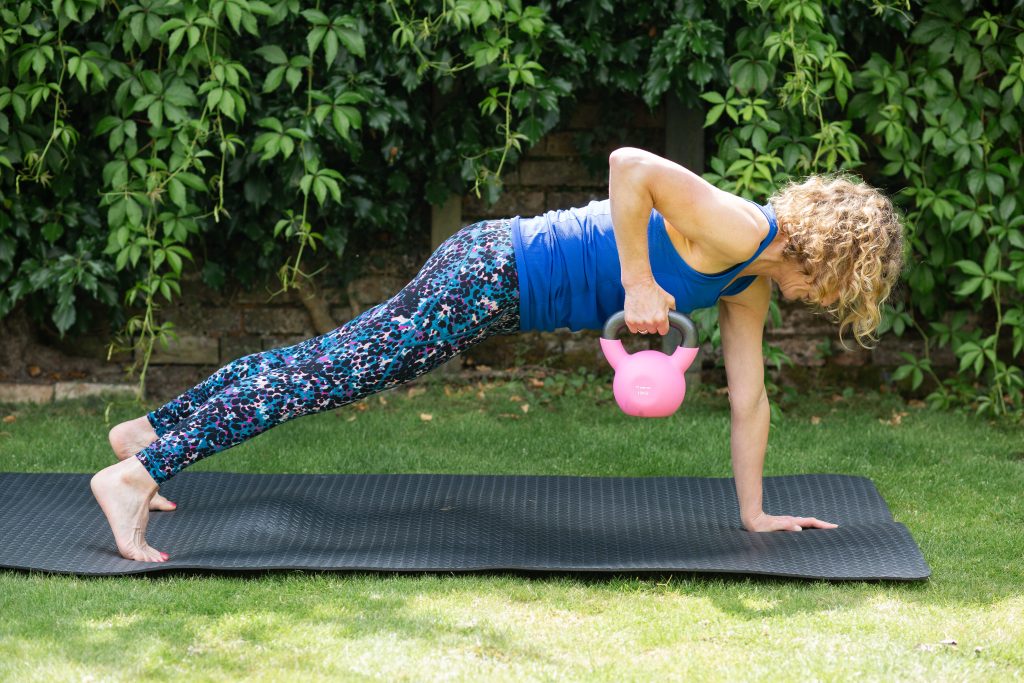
(931, 111)
(256, 140)
(195, 114)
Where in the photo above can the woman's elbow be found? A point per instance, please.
(627, 156)
(747, 402)
(629, 170)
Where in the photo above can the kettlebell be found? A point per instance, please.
(650, 383)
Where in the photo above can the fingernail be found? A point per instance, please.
(165, 556)
(173, 504)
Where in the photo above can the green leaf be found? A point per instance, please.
(274, 79)
(481, 12)
(961, 157)
(116, 214)
(227, 105)
(239, 104)
(192, 181)
(106, 124)
(970, 268)
(272, 53)
(759, 140)
(287, 146)
(234, 13)
(975, 180)
(330, 47)
(994, 182)
(314, 37)
(18, 104)
(352, 41)
(294, 77)
(133, 211)
(156, 114)
(25, 63)
(175, 262)
(340, 122)
(175, 41)
(902, 372)
(1007, 207)
(171, 25)
(180, 95)
(52, 231)
(991, 257)
(970, 286)
(320, 113)
(176, 190)
(335, 189)
(64, 314)
(320, 190)
(315, 17)
(272, 123)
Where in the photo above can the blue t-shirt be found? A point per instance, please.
(569, 274)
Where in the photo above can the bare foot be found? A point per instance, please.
(127, 439)
(124, 491)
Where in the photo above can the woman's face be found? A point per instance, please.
(796, 285)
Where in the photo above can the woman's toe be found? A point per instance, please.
(161, 503)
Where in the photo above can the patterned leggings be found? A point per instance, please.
(468, 290)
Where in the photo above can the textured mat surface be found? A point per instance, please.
(425, 522)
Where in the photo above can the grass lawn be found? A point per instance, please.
(956, 483)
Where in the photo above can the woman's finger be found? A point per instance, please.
(819, 523)
(785, 524)
(640, 326)
(815, 522)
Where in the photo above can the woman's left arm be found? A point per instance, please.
(741, 321)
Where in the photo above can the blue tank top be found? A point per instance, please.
(569, 274)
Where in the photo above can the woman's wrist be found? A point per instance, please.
(637, 279)
(748, 519)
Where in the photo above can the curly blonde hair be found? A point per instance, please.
(848, 237)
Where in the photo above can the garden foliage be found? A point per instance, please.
(263, 136)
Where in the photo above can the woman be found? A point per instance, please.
(665, 238)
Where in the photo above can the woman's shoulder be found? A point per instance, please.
(725, 228)
(750, 220)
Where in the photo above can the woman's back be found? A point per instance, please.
(569, 273)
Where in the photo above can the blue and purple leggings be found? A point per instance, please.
(468, 290)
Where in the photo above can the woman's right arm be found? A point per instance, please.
(639, 181)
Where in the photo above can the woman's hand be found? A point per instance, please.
(765, 522)
(647, 306)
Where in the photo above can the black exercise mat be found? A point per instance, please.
(426, 522)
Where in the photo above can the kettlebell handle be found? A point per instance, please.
(676, 321)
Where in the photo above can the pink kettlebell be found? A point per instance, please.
(650, 383)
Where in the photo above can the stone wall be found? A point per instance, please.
(554, 175)
(217, 327)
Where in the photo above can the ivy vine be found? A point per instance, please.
(258, 140)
